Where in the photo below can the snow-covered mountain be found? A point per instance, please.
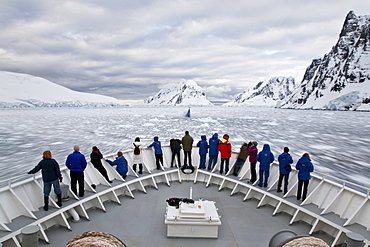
(269, 93)
(186, 93)
(22, 90)
(341, 79)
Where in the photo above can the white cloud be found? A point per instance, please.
(127, 49)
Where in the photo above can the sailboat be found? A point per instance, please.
(188, 113)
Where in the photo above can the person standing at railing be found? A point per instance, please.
(76, 163)
(304, 167)
(203, 150)
(137, 158)
(187, 145)
(224, 146)
(95, 158)
(157, 152)
(175, 145)
(265, 157)
(243, 155)
(50, 176)
(213, 151)
(253, 151)
(284, 169)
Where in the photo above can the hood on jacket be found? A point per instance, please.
(224, 140)
(215, 136)
(226, 137)
(156, 138)
(204, 138)
(266, 147)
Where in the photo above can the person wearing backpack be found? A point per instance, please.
(284, 169)
(137, 158)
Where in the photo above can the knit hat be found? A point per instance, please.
(286, 150)
(95, 148)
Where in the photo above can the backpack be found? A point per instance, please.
(136, 149)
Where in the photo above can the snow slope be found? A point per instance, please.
(22, 90)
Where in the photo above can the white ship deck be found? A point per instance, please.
(133, 209)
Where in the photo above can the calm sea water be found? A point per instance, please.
(338, 142)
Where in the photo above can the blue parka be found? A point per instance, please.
(121, 164)
(203, 145)
(304, 167)
(157, 145)
(213, 145)
(265, 157)
(76, 162)
(284, 160)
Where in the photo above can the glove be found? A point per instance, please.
(61, 179)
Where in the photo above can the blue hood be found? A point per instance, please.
(156, 138)
(266, 147)
(204, 138)
(215, 136)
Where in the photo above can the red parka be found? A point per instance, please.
(224, 147)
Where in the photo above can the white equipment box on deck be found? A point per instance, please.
(198, 220)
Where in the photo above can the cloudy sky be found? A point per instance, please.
(128, 49)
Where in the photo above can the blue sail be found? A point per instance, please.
(188, 113)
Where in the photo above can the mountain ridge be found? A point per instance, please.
(340, 80)
(185, 93)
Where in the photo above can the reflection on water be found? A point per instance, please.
(338, 142)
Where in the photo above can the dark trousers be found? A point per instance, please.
(176, 153)
(158, 159)
(103, 172)
(78, 177)
(253, 172)
(284, 177)
(212, 161)
(264, 177)
(305, 188)
(187, 154)
(202, 161)
(227, 162)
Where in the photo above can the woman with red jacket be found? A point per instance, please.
(225, 149)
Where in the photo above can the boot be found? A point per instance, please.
(59, 202)
(134, 167)
(140, 168)
(46, 203)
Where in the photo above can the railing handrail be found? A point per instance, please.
(126, 150)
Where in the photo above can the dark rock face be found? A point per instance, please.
(347, 63)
